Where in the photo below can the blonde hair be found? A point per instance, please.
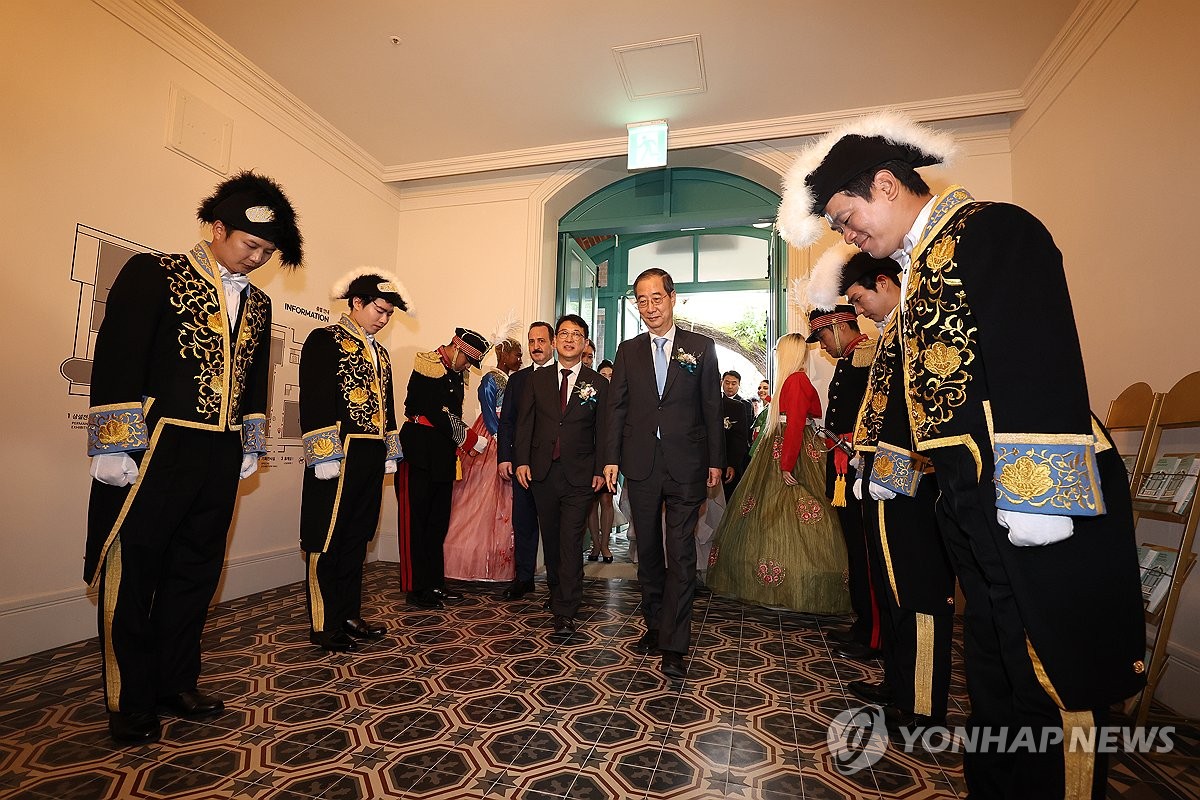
(791, 354)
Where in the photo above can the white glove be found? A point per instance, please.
(856, 462)
(114, 469)
(249, 465)
(1034, 530)
(390, 466)
(480, 444)
(327, 469)
(857, 487)
(880, 492)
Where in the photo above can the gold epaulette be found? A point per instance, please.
(864, 354)
(429, 364)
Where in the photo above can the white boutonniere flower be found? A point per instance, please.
(586, 392)
(686, 360)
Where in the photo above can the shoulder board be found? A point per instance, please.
(429, 364)
(864, 354)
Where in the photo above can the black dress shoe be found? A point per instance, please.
(647, 644)
(593, 556)
(193, 704)
(447, 594)
(425, 599)
(856, 651)
(608, 559)
(672, 665)
(518, 589)
(563, 626)
(134, 727)
(546, 603)
(332, 642)
(878, 693)
(359, 628)
(840, 636)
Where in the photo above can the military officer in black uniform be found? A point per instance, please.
(1034, 507)
(178, 413)
(836, 329)
(350, 441)
(434, 438)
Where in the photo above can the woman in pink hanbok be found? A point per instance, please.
(479, 545)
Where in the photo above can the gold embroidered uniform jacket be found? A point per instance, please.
(992, 363)
(165, 355)
(917, 569)
(435, 394)
(343, 396)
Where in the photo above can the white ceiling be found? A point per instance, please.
(474, 82)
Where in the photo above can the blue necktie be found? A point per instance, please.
(660, 363)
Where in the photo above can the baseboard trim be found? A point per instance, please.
(32, 624)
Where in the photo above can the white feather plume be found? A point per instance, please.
(825, 280)
(798, 222)
(339, 289)
(507, 327)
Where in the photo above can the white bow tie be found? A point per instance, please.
(239, 282)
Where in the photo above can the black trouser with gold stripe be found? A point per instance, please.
(162, 570)
(917, 588)
(338, 519)
(1001, 665)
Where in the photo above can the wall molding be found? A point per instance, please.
(1090, 24)
(180, 35)
(707, 136)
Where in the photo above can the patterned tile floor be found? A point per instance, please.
(479, 702)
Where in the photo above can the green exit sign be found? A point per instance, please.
(648, 144)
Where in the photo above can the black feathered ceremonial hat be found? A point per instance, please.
(820, 318)
(373, 282)
(257, 205)
(825, 167)
(862, 264)
(838, 268)
(472, 345)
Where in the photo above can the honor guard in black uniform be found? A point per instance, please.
(898, 489)
(351, 440)
(836, 328)
(434, 439)
(178, 414)
(1034, 507)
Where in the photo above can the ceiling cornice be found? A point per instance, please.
(730, 133)
(183, 37)
(1090, 24)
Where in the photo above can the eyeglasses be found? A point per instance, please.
(385, 311)
(571, 335)
(653, 300)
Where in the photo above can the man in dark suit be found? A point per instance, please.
(524, 513)
(664, 432)
(558, 460)
(735, 416)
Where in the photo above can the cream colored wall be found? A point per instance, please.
(1110, 167)
(81, 141)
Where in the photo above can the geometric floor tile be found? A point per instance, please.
(478, 701)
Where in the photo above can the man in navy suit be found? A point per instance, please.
(664, 431)
(524, 513)
(558, 459)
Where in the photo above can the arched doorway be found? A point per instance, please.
(712, 230)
